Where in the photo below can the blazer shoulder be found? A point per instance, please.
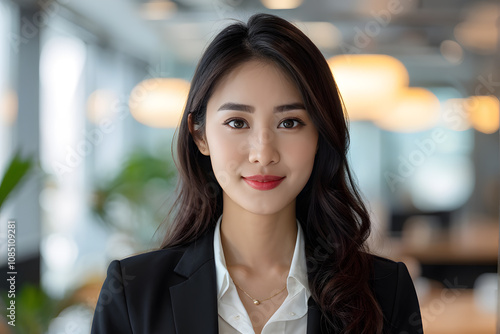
(384, 268)
(396, 295)
(387, 274)
(149, 267)
(168, 257)
(170, 263)
(135, 296)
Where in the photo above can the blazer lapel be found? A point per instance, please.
(313, 317)
(194, 301)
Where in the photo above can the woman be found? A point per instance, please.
(268, 231)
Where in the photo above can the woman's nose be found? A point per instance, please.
(263, 148)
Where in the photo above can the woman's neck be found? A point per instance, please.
(258, 243)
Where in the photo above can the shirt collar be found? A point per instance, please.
(298, 267)
(220, 263)
(297, 273)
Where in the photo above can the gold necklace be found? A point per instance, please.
(256, 301)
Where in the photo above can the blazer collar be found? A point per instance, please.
(199, 253)
(194, 301)
(313, 317)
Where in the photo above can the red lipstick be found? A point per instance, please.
(263, 182)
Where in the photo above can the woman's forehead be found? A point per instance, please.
(257, 79)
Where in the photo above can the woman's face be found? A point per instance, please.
(256, 124)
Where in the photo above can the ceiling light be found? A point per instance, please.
(281, 4)
(484, 113)
(479, 31)
(452, 51)
(8, 107)
(100, 105)
(159, 102)
(158, 10)
(324, 34)
(369, 83)
(415, 109)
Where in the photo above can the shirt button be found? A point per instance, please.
(292, 313)
(236, 317)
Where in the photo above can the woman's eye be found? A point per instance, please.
(236, 123)
(289, 123)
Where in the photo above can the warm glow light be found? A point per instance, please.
(281, 4)
(100, 105)
(368, 83)
(452, 51)
(382, 11)
(324, 34)
(158, 10)
(484, 113)
(159, 102)
(8, 107)
(479, 31)
(415, 109)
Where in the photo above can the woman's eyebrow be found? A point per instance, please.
(237, 107)
(251, 109)
(290, 106)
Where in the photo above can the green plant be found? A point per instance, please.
(16, 172)
(132, 200)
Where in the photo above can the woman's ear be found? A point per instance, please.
(200, 142)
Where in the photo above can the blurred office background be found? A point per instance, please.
(92, 91)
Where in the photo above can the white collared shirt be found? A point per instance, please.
(291, 316)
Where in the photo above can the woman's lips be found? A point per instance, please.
(263, 182)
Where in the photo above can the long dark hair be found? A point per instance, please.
(335, 221)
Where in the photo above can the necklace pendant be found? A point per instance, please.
(256, 302)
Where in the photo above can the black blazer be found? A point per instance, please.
(174, 291)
